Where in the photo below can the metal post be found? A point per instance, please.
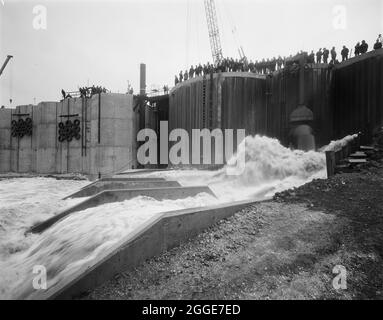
(142, 79)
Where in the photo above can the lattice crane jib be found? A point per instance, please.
(212, 24)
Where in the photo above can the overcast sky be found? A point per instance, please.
(103, 42)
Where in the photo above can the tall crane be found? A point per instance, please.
(5, 64)
(212, 25)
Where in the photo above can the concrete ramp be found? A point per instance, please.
(100, 186)
(108, 196)
(159, 234)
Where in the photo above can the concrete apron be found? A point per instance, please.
(161, 233)
(123, 179)
(99, 186)
(171, 193)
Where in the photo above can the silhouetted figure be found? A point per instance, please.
(186, 76)
(319, 56)
(325, 55)
(273, 65)
(357, 49)
(200, 69)
(176, 81)
(333, 55)
(363, 47)
(63, 93)
(344, 53)
(311, 57)
(191, 72)
(380, 39)
(181, 77)
(279, 62)
(378, 45)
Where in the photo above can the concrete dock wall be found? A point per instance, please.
(5, 140)
(357, 95)
(283, 98)
(224, 101)
(343, 98)
(107, 142)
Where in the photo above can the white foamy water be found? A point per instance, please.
(26, 201)
(338, 144)
(83, 236)
(270, 168)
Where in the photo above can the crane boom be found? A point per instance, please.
(5, 64)
(212, 24)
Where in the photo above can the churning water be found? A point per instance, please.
(84, 235)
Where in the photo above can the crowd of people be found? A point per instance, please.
(323, 55)
(87, 92)
(84, 92)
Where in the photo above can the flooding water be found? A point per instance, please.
(84, 235)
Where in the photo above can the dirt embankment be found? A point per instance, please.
(281, 249)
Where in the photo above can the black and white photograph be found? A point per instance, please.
(190, 156)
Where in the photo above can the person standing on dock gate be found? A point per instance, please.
(325, 55)
(319, 55)
(176, 80)
(378, 45)
(311, 57)
(181, 76)
(191, 72)
(363, 47)
(380, 39)
(333, 55)
(63, 93)
(186, 76)
(279, 62)
(344, 53)
(357, 49)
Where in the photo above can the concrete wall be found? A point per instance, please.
(107, 144)
(344, 99)
(283, 98)
(5, 140)
(357, 95)
(224, 101)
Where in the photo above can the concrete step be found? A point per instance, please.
(343, 168)
(356, 161)
(99, 186)
(366, 148)
(108, 196)
(358, 154)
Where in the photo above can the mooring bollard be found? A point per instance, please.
(330, 163)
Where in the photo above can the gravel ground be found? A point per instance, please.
(281, 249)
